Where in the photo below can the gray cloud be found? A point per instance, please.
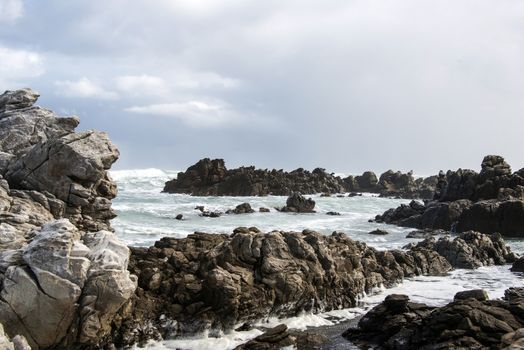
(347, 85)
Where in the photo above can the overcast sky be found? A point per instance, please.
(346, 85)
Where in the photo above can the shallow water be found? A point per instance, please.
(145, 215)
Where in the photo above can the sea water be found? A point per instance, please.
(145, 214)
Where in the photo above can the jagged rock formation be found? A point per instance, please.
(244, 208)
(211, 178)
(210, 281)
(280, 337)
(63, 275)
(490, 201)
(45, 160)
(469, 322)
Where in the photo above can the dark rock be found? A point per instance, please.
(478, 294)
(379, 232)
(333, 213)
(296, 203)
(244, 208)
(200, 208)
(469, 322)
(354, 194)
(211, 214)
(492, 201)
(179, 217)
(518, 265)
(264, 210)
(212, 178)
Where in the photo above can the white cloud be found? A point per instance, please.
(16, 66)
(11, 10)
(138, 84)
(84, 88)
(193, 113)
(204, 80)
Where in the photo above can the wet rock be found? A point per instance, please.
(263, 210)
(244, 208)
(379, 232)
(470, 322)
(489, 201)
(333, 213)
(211, 214)
(219, 281)
(426, 233)
(179, 217)
(518, 265)
(478, 294)
(297, 203)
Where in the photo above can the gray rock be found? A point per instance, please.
(478, 294)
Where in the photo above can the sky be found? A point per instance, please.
(347, 85)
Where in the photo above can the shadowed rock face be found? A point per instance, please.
(469, 322)
(211, 178)
(63, 276)
(210, 281)
(490, 201)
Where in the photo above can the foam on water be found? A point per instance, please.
(145, 215)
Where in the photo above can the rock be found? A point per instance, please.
(74, 279)
(211, 177)
(513, 340)
(244, 208)
(200, 208)
(179, 217)
(64, 281)
(518, 265)
(426, 233)
(354, 194)
(379, 232)
(264, 210)
(471, 250)
(333, 213)
(469, 322)
(18, 342)
(211, 214)
(210, 281)
(280, 337)
(297, 203)
(478, 294)
(488, 202)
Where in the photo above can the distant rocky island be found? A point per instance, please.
(211, 178)
(68, 282)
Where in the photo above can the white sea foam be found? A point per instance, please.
(145, 215)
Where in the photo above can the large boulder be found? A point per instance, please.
(297, 203)
(65, 287)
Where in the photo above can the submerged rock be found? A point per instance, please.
(379, 232)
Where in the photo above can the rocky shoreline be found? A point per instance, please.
(68, 282)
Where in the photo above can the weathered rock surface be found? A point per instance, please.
(18, 342)
(64, 281)
(280, 337)
(65, 287)
(466, 323)
(518, 265)
(297, 203)
(210, 281)
(489, 201)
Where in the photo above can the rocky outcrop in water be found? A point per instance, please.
(469, 322)
(212, 178)
(64, 281)
(297, 203)
(489, 201)
(210, 281)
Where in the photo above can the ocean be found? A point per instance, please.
(146, 215)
